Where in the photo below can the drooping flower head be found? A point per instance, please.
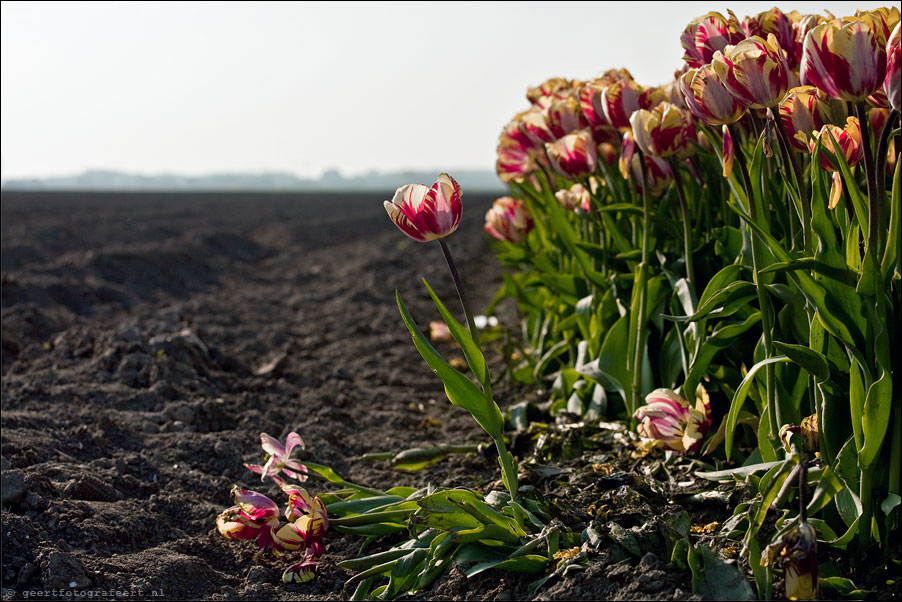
(754, 71)
(278, 459)
(796, 552)
(671, 422)
(254, 516)
(844, 58)
(707, 34)
(574, 155)
(509, 220)
(424, 213)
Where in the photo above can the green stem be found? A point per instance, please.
(643, 294)
(875, 209)
(687, 231)
(895, 454)
(464, 303)
(864, 523)
(791, 159)
(774, 414)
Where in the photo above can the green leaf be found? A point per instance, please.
(739, 398)
(361, 505)
(875, 419)
(528, 563)
(805, 358)
(459, 389)
(741, 471)
(464, 338)
(846, 276)
(721, 338)
(890, 260)
(715, 579)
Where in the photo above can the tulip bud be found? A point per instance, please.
(576, 197)
(707, 34)
(845, 59)
(671, 422)
(574, 155)
(754, 71)
(424, 213)
(509, 220)
(891, 85)
(848, 139)
(708, 99)
(662, 131)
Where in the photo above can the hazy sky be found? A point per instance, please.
(302, 87)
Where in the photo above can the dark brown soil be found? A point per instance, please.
(149, 339)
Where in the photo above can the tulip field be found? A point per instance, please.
(665, 365)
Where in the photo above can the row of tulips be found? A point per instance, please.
(730, 238)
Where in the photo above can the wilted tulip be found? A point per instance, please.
(254, 516)
(509, 220)
(671, 422)
(707, 34)
(620, 100)
(574, 155)
(300, 572)
(845, 59)
(754, 71)
(796, 552)
(577, 197)
(424, 213)
(278, 458)
(708, 99)
(805, 109)
(774, 21)
(891, 85)
(662, 131)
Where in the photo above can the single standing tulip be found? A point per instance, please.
(805, 109)
(671, 422)
(662, 131)
(844, 59)
(574, 155)
(424, 213)
(754, 71)
(509, 220)
(708, 99)
(707, 34)
(893, 59)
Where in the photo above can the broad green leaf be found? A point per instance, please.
(890, 260)
(459, 389)
(740, 290)
(464, 338)
(528, 563)
(374, 530)
(715, 579)
(361, 505)
(805, 358)
(875, 419)
(739, 399)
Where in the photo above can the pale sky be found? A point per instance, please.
(205, 87)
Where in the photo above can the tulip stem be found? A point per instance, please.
(875, 209)
(687, 231)
(643, 294)
(774, 414)
(882, 150)
(464, 303)
(790, 159)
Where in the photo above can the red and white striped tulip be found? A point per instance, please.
(754, 71)
(620, 100)
(774, 21)
(671, 422)
(517, 153)
(509, 220)
(806, 109)
(658, 176)
(848, 139)
(576, 197)
(663, 131)
(845, 59)
(300, 572)
(574, 155)
(425, 213)
(707, 34)
(708, 99)
(564, 116)
(549, 87)
(893, 61)
(254, 516)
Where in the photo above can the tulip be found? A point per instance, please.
(278, 459)
(775, 22)
(590, 95)
(881, 20)
(848, 138)
(620, 100)
(574, 155)
(509, 220)
(708, 99)
(801, 25)
(424, 213)
(796, 551)
(517, 153)
(300, 572)
(254, 516)
(805, 109)
(671, 422)
(658, 175)
(534, 125)
(844, 59)
(661, 132)
(564, 116)
(707, 34)
(547, 88)
(577, 197)
(754, 71)
(893, 59)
